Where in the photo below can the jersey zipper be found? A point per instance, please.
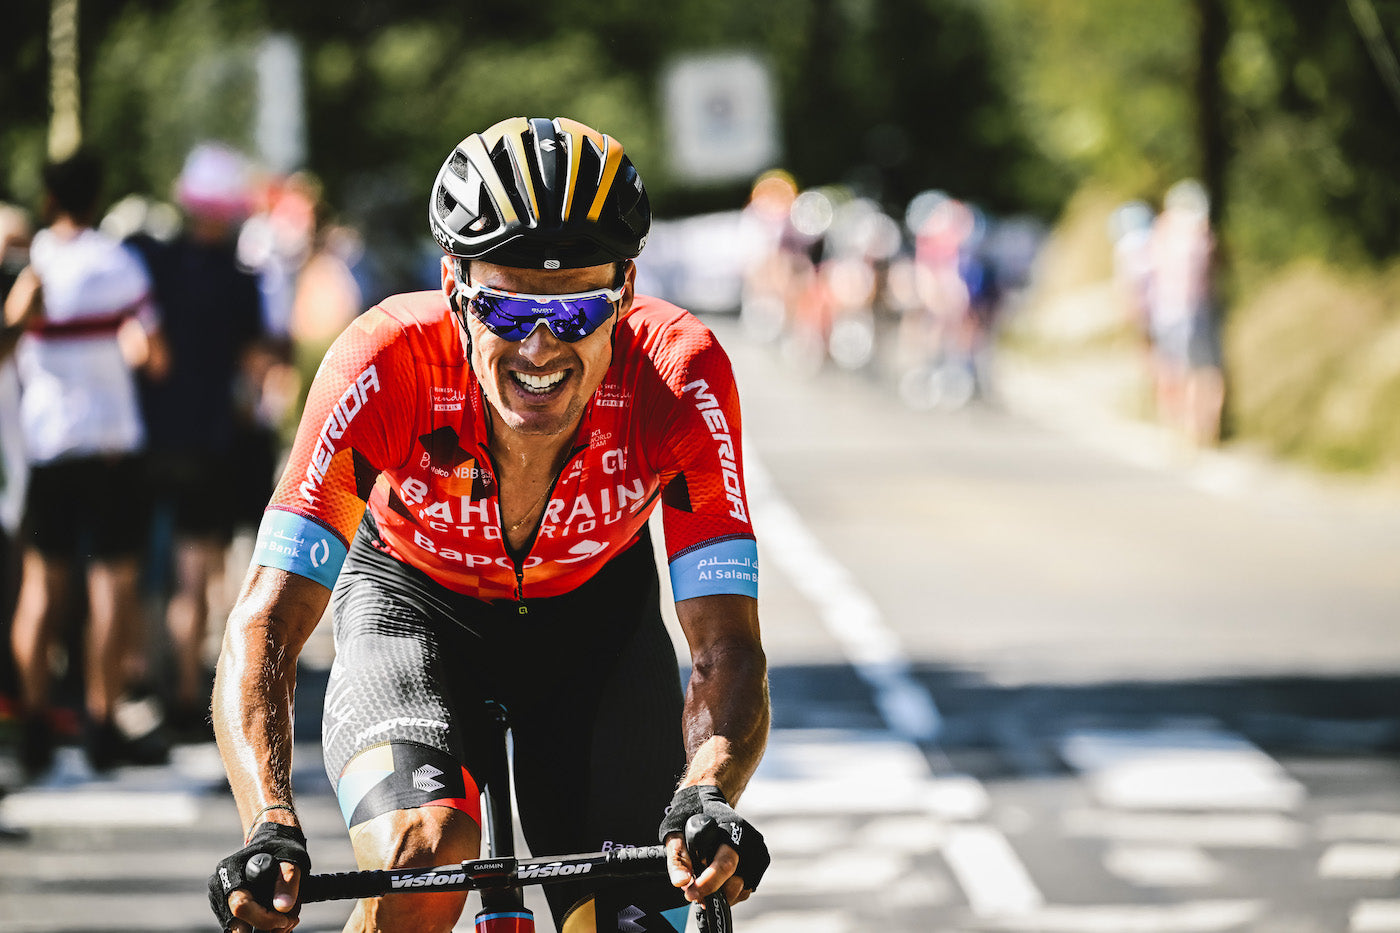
(518, 563)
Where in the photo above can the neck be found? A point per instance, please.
(514, 450)
(66, 226)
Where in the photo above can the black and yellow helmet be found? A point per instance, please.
(540, 194)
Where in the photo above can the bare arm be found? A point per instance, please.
(24, 304)
(255, 684)
(726, 724)
(726, 704)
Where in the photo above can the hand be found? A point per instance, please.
(731, 852)
(257, 888)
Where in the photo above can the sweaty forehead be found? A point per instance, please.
(541, 281)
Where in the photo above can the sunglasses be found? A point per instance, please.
(512, 315)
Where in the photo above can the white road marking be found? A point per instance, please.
(1193, 917)
(1180, 769)
(36, 914)
(991, 875)
(914, 835)
(805, 835)
(99, 808)
(853, 872)
(847, 611)
(1375, 917)
(1162, 865)
(811, 772)
(1382, 827)
(1212, 830)
(797, 921)
(1360, 861)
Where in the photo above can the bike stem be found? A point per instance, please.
(502, 909)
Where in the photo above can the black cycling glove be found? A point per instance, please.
(283, 843)
(708, 800)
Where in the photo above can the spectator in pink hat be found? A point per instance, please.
(199, 417)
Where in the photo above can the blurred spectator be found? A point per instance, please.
(1185, 338)
(327, 295)
(205, 447)
(310, 292)
(276, 242)
(15, 234)
(1130, 229)
(84, 306)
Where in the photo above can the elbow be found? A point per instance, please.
(744, 661)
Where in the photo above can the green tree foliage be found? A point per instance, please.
(1014, 103)
(892, 95)
(1310, 131)
(1315, 132)
(164, 81)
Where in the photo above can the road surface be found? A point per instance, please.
(1028, 674)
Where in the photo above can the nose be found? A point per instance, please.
(540, 344)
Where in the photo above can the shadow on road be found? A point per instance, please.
(1024, 724)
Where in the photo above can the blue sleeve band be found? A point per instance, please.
(729, 566)
(297, 544)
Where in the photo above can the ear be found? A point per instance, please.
(449, 277)
(629, 279)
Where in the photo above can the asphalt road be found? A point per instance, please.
(1029, 673)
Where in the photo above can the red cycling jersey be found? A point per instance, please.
(396, 422)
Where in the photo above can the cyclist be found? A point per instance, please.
(472, 476)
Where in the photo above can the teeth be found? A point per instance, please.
(539, 383)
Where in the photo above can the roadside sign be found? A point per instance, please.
(721, 118)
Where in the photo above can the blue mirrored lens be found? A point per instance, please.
(513, 318)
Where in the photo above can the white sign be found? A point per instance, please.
(280, 129)
(720, 115)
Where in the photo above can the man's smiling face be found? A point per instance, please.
(541, 384)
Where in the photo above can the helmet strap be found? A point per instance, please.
(455, 300)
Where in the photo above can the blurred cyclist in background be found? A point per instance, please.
(84, 306)
(938, 339)
(773, 269)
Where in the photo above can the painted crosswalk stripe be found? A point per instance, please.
(808, 771)
(99, 808)
(1375, 917)
(1360, 861)
(1211, 830)
(1180, 769)
(991, 875)
(845, 608)
(1192, 917)
(1163, 865)
(1368, 824)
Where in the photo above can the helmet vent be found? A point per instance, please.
(540, 193)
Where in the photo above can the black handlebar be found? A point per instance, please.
(477, 874)
(486, 874)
